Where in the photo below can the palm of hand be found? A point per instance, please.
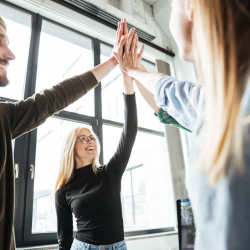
(126, 47)
(118, 47)
(131, 60)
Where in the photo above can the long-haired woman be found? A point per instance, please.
(91, 191)
(215, 35)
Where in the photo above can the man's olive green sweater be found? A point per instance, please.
(19, 118)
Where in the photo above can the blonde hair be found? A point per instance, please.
(3, 24)
(221, 37)
(67, 163)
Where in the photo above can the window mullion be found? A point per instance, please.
(20, 158)
(30, 90)
(98, 97)
(21, 152)
(33, 56)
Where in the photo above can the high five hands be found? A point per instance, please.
(129, 59)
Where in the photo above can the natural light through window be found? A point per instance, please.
(19, 31)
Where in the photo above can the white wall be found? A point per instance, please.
(183, 70)
(154, 242)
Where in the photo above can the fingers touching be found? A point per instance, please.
(125, 30)
(126, 53)
(119, 32)
(130, 38)
(141, 52)
(133, 45)
(122, 42)
(118, 54)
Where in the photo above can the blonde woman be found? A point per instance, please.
(91, 191)
(215, 35)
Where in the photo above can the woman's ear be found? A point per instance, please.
(189, 10)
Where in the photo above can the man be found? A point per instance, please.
(21, 117)
(5, 55)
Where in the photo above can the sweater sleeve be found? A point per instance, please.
(119, 161)
(32, 112)
(180, 99)
(64, 222)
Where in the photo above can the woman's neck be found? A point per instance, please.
(80, 163)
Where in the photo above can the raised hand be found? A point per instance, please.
(120, 40)
(131, 60)
(122, 37)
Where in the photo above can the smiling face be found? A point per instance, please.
(5, 56)
(85, 149)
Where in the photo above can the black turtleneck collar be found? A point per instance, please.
(83, 170)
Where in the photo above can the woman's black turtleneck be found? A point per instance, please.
(94, 199)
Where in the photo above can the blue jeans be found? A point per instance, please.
(79, 245)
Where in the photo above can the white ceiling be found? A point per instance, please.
(161, 10)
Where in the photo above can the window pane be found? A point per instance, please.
(150, 194)
(63, 54)
(126, 184)
(50, 139)
(112, 91)
(19, 32)
(128, 217)
(146, 117)
(138, 175)
(141, 213)
(111, 136)
(112, 101)
(157, 206)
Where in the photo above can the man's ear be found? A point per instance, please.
(189, 10)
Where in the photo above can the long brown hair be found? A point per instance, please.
(67, 163)
(221, 35)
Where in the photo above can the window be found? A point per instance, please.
(112, 89)
(146, 184)
(47, 53)
(62, 54)
(146, 116)
(19, 32)
(134, 200)
(148, 158)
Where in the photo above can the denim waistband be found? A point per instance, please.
(79, 245)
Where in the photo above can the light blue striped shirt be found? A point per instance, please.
(221, 211)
